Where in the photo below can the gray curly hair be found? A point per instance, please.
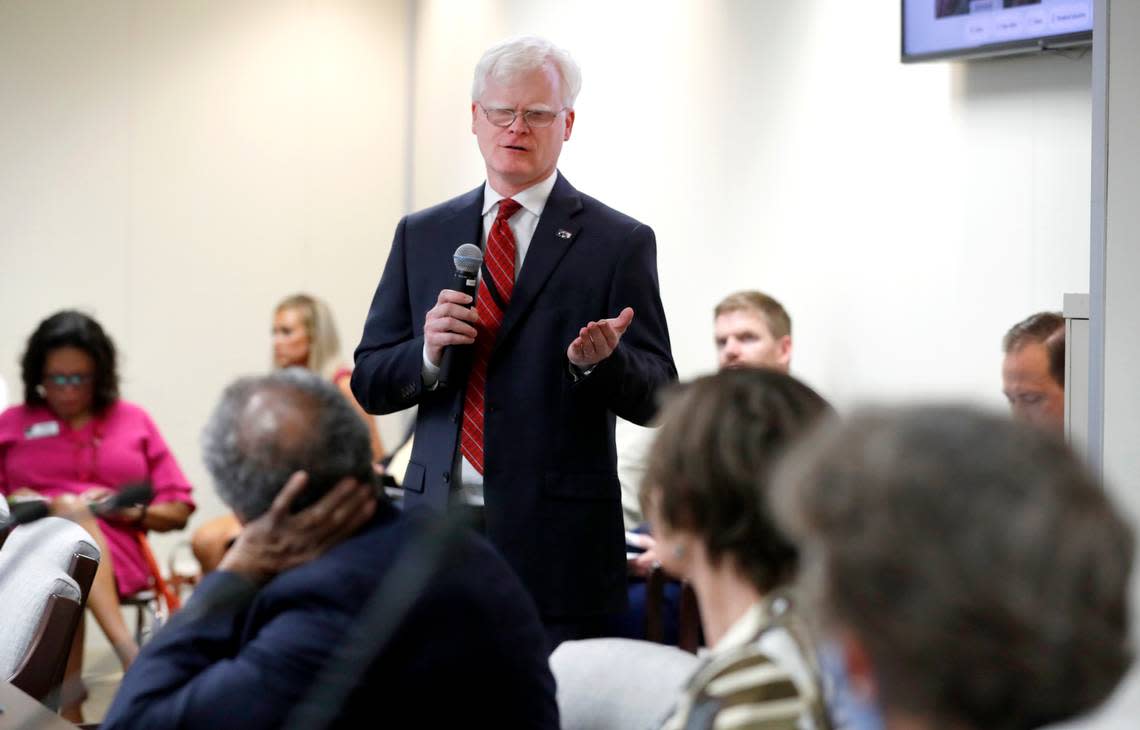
(267, 427)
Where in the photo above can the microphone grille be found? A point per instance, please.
(468, 258)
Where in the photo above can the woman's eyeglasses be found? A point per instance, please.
(73, 380)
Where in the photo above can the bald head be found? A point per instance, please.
(265, 428)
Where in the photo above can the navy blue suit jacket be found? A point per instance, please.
(550, 476)
(470, 652)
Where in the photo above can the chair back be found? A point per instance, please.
(618, 683)
(42, 608)
(63, 544)
(5, 512)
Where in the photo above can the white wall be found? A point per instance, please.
(906, 215)
(1115, 346)
(176, 168)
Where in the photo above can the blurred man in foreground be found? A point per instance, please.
(345, 611)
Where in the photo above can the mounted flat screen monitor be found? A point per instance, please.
(933, 29)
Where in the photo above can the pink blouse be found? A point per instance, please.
(120, 447)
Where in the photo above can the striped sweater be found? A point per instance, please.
(744, 685)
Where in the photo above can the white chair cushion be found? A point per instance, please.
(55, 540)
(606, 684)
(28, 579)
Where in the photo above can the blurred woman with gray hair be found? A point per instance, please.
(972, 569)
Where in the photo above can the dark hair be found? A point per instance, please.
(708, 467)
(70, 328)
(978, 562)
(1043, 328)
(265, 428)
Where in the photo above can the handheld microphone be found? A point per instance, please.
(468, 258)
(129, 496)
(21, 513)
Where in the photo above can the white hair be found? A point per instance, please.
(507, 60)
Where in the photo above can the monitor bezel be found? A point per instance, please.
(1039, 44)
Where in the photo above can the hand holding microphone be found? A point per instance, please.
(128, 504)
(451, 321)
(101, 502)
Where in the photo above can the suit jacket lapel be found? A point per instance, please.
(553, 237)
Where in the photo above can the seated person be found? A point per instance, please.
(751, 330)
(304, 335)
(74, 441)
(308, 603)
(705, 493)
(1033, 370)
(973, 571)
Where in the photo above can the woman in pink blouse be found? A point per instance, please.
(74, 441)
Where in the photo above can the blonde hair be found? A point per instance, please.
(316, 318)
(779, 323)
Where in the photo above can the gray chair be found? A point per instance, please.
(66, 545)
(5, 511)
(618, 684)
(46, 570)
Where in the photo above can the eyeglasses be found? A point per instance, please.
(534, 118)
(63, 381)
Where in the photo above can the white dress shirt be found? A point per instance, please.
(522, 224)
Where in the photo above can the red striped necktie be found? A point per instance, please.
(490, 302)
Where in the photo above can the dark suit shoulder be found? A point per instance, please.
(349, 567)
(352, 570)
(473, 628)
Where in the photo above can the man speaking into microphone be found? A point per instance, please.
(567, 329)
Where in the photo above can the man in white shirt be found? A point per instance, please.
(751, 330)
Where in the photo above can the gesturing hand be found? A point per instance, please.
(279, 540)
(598, 340)
(449, 322)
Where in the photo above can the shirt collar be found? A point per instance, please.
(745, 630)
(533, 198)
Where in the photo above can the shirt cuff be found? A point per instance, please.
(429, 372)
(578, 374)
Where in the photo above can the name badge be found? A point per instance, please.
(42, 430)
